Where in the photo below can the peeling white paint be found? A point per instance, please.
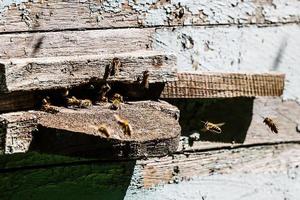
(233, 49)
(277, 186)
(4, 4)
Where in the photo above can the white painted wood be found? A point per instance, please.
(20, 15)
(233, 49)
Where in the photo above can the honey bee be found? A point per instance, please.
(103, 91)
(116, 104)
(214, 128)
(125, 125)
(118, 97)
(81, 103)
(104, 129)
(270, 123)
(85, 103)
(116, 65)
(47, 107)
(145, 80)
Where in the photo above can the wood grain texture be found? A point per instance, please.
(57, 72)
(52, 14)
(180, 167)
(224, 85)
(155, 130)
(66, 43)
(16, 131)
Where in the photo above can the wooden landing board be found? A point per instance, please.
(52, 15)
(224, 85)
(57, 72)
(155, 130)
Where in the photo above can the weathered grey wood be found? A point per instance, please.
(56, 72)
(218, 85)
(53, 15)
(184, 166)
(16, 131)
(155, 130)
(73, 43)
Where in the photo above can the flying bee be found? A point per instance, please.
(270, 123)
(127, 129)
(104, 129)
(211, 127)
(47, 107)
(145, 80)
(116, 66)
(103, 91)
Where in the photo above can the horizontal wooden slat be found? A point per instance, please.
(29, 45)
(222, 85)
(53, 14)
(183, 167)
(55, 72)
(155, 131)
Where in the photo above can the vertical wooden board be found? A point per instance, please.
(233, 49)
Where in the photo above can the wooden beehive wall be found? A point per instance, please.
(205, 36)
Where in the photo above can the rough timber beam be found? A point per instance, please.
(56, 72)
(222, 85)
(155, 131)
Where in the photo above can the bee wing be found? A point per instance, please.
(220, 124)
(203, 130)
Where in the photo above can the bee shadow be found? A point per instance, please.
(236, 113)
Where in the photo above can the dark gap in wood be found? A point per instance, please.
(236, 113)
(149, 27)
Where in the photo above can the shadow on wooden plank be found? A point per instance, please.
(43, 176)
(236, 113)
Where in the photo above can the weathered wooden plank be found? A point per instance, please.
(180, 167)
(233, 49)
(16, 131)
(52, 15)
(56, 72)
(95, 42)
(222, 85)
(154, 130)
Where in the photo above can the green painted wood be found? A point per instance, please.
(42, 176)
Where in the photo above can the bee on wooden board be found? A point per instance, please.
(47, 107)
(104, 129)
(211, 127)
(271, 124)
(116, 66)
(145, 80)
(116, 101)
(103, 91)
(81, 103)
(127, 129)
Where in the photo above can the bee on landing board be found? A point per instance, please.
(127, 129)
(145, 80)
(211, 127)
(116, 66)
(47, 107)
(116, 101)
(81, 103)
(104, 129)
(270, 123)
(103, 91)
